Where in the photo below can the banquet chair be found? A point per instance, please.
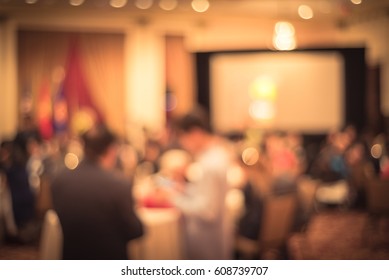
(378, 197)
(278, 221)
(6, 213)
(377, 192)
(306, 191)
(51, 237)
(278, 217)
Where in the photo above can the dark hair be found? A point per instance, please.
(96, 141)
(197, 118)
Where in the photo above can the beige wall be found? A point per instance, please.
(8, 85)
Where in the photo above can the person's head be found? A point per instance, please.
(100, 146)
(193, 130)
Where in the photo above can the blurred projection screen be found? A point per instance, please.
(284, 90)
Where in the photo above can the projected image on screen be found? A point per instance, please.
(291, 91)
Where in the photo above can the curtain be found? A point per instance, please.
(96, 67)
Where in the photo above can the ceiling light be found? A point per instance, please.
(305, 12)
(118, 3)
(284, 43)
(168, 5)
(143, 4)
(283, 38)
(31, 1)
(200, 6)
(76, 2)
(284, 28)
(356, 2)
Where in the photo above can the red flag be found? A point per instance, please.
(81, 106)
(44, 111)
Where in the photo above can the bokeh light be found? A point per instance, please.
(168, 5)
(283, 38)
(263, 87)
(235, 176)
(200, 6)
(83, 120)
(76, 2)
(143, 4)
(262, 110)
(284, 28)
(356, 2)
(118, 3)
(305, 12)
(250, 156)
(376, 151)
(71, 161)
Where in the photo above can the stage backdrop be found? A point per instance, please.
(66, 79)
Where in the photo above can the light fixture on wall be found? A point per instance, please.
(76, 2)
(200, 6)
(143, 4)
(305, 12)
(284, 36)
(118, 3)
(168, 5)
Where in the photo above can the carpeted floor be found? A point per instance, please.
(342, 235)
(19, 252)
(332, 234)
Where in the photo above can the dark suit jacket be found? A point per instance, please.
(96, 212)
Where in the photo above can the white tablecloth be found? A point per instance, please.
(163, 235)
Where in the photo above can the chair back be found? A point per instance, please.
(306, 191)
(378, 197)
(279, 215)
(51, 237)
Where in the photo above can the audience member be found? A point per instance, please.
(13, 164)
(283, 163)
(357, 161)
(94, 205)
(329, 165)
(254, 189)
(208, 234)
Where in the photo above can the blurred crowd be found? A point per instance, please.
(169, 172)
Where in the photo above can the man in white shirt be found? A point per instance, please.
(207, 231)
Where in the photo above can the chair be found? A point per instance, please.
(378, 197)
(51, 237)
(306, 191)
(278, 221)
(6, 212)
(377, 192)
(333, 193)
(278, 217)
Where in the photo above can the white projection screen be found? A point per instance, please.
(308, 89)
